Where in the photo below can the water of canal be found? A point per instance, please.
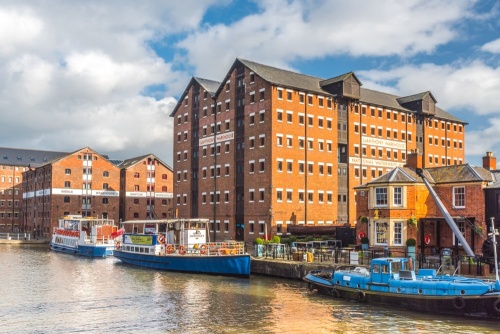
(47, 292)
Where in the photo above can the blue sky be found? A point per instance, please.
(106, 74)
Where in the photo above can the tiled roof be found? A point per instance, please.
(312, 84)
(210, 86)
(459, 173)
(25, 158)
(438, 175)
(496, 179)
(132, 161)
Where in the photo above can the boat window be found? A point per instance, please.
(141, 250)
(396, 267)
(385, 269)
(376, 268)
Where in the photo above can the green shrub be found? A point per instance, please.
(365, 240)
(276, 239)
(259, 241)
(411, 242)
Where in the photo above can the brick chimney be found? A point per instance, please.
(414, 159)
(489, 161)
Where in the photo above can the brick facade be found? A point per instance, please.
(291, 148)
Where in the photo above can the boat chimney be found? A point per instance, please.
(489, 161)
(414, 160)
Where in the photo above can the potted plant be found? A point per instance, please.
(259, 247)
(412, 222)
(365, 243)
(411, 243)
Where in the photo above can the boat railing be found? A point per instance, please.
(100, 239)
(212, 248)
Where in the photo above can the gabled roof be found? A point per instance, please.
(416, 97)
(312, 84)
(23, 157)
(210, 86)
(397, 175)
(105, 157)
(338, 78)
(437, 175)
(134, 161)
(459, 173)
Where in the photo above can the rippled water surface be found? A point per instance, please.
(47, 292)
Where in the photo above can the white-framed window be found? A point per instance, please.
(398, 196)
(459, 197)
(398, 233)
(380, 196)
(381, 231)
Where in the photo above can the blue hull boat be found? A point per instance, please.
(225, 265)
(390, 282)
(85, 236)
(182, 246)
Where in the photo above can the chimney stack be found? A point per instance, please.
(489, 161)
(414, 160)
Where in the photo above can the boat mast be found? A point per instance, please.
(494, 239)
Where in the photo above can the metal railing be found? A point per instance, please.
(15, 236)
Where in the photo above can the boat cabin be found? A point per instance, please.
(383, 269)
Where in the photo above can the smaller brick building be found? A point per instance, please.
(392, 199)
(82, 182)
(146, 189)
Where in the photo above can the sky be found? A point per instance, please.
(107, 74)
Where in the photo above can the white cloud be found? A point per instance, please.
(18, 27)
(287, 30)
(493, 46)
(75, 74)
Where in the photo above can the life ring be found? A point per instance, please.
(203, 249)
(212, 246)
(161, 238)
(181, 250)
(458, 303)
(361, 296)
(427, 239)
(496, 306)
(361, 235)
(117, 246)
(169, 249)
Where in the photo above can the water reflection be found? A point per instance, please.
(46, 292)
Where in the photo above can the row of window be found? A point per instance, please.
(9, 204)
(379, 131)
(395, 194)
(301, 167)
(389, 153)
(444, 160)
(445, 142)
(8, 215)
(302, 96)
(4, 179)
(322, 144)
(322, 121)
(9, 191)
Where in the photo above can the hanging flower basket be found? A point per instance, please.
(363, 219)
(412, 222)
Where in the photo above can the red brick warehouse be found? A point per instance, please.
(266, 148)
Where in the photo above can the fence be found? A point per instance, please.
(465, 265)
(15, 236)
